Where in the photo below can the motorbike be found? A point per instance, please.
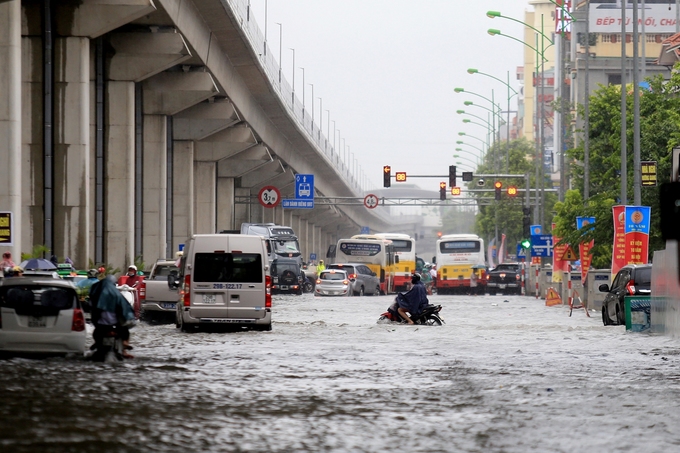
(109, 340)
(428, 317)
(308, 285)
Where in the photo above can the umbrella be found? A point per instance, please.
(38, 264)
(479, 266)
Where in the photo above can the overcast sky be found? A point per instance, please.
(386, 70)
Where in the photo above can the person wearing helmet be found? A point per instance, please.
(412, 301)
(320, 267)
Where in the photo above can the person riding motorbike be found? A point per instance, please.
(83, 288)
(110, 308)
(412, 301)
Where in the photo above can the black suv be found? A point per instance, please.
(364, 280)
(631, 280)
(287, 276)
(505, 278)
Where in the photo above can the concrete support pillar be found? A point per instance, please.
(305, 240)
(72, 204)
(155, 188)
(10, 124)
(119, 179)
(205, 179)
(225, 205)
(182, 192)
(31, 171)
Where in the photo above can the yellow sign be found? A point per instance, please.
(455, 190)
(400, 176)
(569, 255)
(552, 298)
(648, 173)
(6, 228)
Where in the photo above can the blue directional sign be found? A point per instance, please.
(541, 245)
(304, 187)
(312, 257)
(365, 230)
(297, 204)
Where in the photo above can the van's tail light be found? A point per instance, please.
(630, 287)
(187, 290)
(268, 292)
(78, 323)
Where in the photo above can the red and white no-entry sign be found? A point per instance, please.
(370, 201)
(269, 197)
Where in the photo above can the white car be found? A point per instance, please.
(333, 282)
(40, 315)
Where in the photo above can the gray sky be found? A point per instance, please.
(386, 70)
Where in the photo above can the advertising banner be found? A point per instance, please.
(606, 18)
(559, 265)
(619, 247)
(584, 248)
(637, 220)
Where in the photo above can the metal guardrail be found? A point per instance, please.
(282, 88)
(359, 201)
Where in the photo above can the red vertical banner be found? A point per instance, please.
(619, 247)
(585, 247)
(559, 265)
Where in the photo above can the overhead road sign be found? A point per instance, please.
(541, 245)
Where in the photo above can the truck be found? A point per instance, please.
(284, 255)
(160, 301)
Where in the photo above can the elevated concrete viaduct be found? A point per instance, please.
(128, 125)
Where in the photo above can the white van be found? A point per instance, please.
(223, 280)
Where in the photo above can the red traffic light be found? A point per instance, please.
(400, 176)
(455, 191)
(512, 191)
(498, 184)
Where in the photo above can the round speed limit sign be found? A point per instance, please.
(371, 201)
(269, 196)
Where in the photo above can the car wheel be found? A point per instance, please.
(377, 290)
(605, 316)
(620, 316)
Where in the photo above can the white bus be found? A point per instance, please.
(375, 252)
(405, 248)
(458, 255)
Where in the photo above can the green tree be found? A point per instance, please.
(659, 134)
(507, 213)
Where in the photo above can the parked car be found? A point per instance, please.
(160, 300)
(631, 280)
(40, 315)
(333, 282)
(505, 278)
(362, 278)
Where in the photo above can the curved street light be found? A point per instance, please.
(493, 112)
(460, 142)
(463, 134)
(469, 121)
(463, 112)
(458, 156)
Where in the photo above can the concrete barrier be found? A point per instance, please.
(594, 297)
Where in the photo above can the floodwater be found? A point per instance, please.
(504, 374)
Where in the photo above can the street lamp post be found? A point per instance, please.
(293, 95)
(510, 96)
(303, 96)
(280, 48)
(538, 127)
(460, 142)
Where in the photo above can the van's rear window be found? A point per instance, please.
(225, 267)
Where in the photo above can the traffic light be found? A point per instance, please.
(455, 191)
(498, 186)
(526, 243)
(452, 176)
(387, 175)
(526, 222)
(512, 191)
(442, 191)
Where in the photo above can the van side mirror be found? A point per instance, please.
(173, 281)
(604, 288)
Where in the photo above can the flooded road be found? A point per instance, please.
(504, 374)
